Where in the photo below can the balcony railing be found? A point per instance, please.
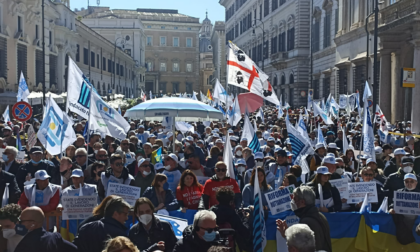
(399, 10)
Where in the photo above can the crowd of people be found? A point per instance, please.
(33, 187)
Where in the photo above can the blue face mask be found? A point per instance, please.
(209, 237)
(21, 229)
(36, 162)
(5, 158)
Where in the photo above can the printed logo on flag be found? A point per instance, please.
(104, 109)
(84, 97)
(53, 133)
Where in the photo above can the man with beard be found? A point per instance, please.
(8, 137)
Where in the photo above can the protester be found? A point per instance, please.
(98, 212)
(300, 238)
(9, 157)
(160, 197)
(79, 187)
(81, 158)
(367, 174)
(120, 244)
(248, 192)
(145, 176)
(9, 185)
(189, 191)
(66, 168)
(92, 236)
(32, 218)
(173, 171)
(318, 156)
(9, 218)
(150, 233)
(95, 173)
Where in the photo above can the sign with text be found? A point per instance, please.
(202, 179)
(407, 203)
(342, 185)
(408, 77)
(78, 207)
(31, 136)
(358, 190)
(279, 200)
(128, 193)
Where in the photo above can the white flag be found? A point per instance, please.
(194, 97)
(6, 115)
(320, 137)
(261, 114)
(345, 140)
(301, 147)
(56, 131)
(228, 158)
(320, 112)
(23, 91)
(184, 127)
(302, 127)
(219, 92)
(368, 136)
(234, 115)
(334, 108)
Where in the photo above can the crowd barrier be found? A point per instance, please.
(350, 232)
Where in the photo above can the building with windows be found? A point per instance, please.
(65, 36)
(218, 43)
(206, 55)
(276, 35)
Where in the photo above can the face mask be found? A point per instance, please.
(8, 233)
(21, 229)
(145, 218)
(96, 151)
(339, 171)
(239, 153)
(5, 158)
(187, 144)
(259, 163)
(36, 162)
(145, 173)
(209, 237)
(408, 189)
(167, 167)
(293, 205)
(407, 169)
(241, 169)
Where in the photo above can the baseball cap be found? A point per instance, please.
(378, 149)
(259, 155)
(240, 162)
(270, 139)
(141, 161)
(407, 160)
(244, 139)
(215, 135)
(151, 146)
(41, 175)
(411, 176)
(323, 170)
(319, 145)
(169, 134)
(237, 147)
(152, 135)
(174, 157)
(219, 141)
(158, 166)
(333, 146)
(77, 173)
(281, 153)
(400, 151)
(189, 138)
(230, 131)
(141, 127)
(289, 154)
(200, 142)
(35, 149)
(330, 155)
(7, 128)
(329, 160)
(324, 127)
(370, 160)
(330, 133)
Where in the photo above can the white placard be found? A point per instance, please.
(202, 179)
(279, 200)
(358, 190)
(1, 154)
(31, 137)
(407, 203)
(78, 207)
(342, 186)
(20, 156)
(128, 193)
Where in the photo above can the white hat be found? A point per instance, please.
(41, 175)
(189, 138)
(411, 176)
(370, 160)
(259, 155)
(333, 146)
(141, 161)
(169, 134)
(244, 139)
(158, 166)
(174, 157)
(240, 162)
(378, 149)
(219, 141)
(323, 170)
(400, 151)
(319, 145)
(329, 160)
(324, 127)
(77, 173)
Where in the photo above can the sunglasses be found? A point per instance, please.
(118, 164)
(210, 230)
(80, 156)
(221, 170)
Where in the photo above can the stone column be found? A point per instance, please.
(397, 92)
(61, 57)
(415, 114)
(385, 84)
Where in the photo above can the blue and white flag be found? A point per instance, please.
(310, 101)
(366, 93)
(261, 114)
(368, 136)
(334, 107)
(219, 92)
(249, 133)
(56, 132)
(320, 137)
(221, 109)
(23, 91)
(365, 208)
(323, 104)
(234, 115)
(300, 145)
(178, 225)
(194, 97)
(6, 115)
(359, 109)
(328, 105)
(345, 140)
(119, 109)
(259, 232)
(320, 112)
(384, 206)
(301, 127)
(280, 112)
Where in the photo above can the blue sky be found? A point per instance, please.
(195, 8)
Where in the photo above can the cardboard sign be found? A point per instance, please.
(128, 193)
(358, 190)
(78, 207)
(20, 156)
(279, 200)
(342, 185)
(31, 137)
(407, 203)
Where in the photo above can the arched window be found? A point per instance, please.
(291, 79)
(283, 80)
(275, 81)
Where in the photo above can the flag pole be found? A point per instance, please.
(173, 136)
(88, 122)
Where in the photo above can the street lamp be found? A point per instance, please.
(263, 42)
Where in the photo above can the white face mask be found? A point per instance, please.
(96, 151)
(408, 169)
(167, 167)
(8, 233)
(259, 163)
(187, 144)
(293, 205)
(145, 173)
(145, 218)
(241, 169)
(239, 153)
(339, 171)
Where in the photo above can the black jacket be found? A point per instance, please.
(328, 192)
(191, 242)
(391, 204)
(317, 222)
(92, 236)
(391, 167)
(14, 191)
(88, 220)
(147, 241)
(40, 240)
(394, 182)
(14, 168)
(28, 167)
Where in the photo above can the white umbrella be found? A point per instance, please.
(184, 110)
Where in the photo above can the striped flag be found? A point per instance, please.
(250, 135)
(259, 225)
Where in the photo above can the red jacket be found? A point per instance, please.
(213, 184)
(52, 205)
(189, 196)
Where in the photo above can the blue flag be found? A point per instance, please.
(259, 232)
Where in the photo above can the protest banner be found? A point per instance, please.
(202, 179)
(31, 137)
(407, 203)
(279, 200)
(78, 207)
(342, 186)
(128, 193)
(178, 224)
(358, 190)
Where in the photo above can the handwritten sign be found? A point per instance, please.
(279, 200)
(343, 187)
(31, 137)
(78, 207)
(407, 203)
(128, 193)
(358, 190)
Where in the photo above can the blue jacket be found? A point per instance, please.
(171, 203)
(248, 195)
(199, 152)
(41, 240)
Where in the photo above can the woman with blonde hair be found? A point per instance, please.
(159, 195)
(120, 244)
